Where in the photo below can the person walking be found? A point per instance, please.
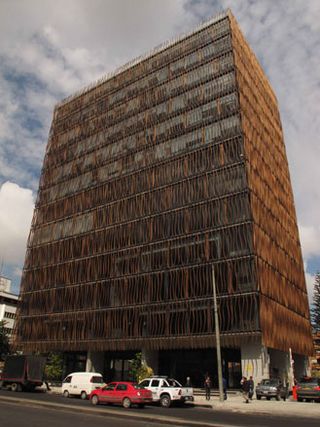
(224, 384)
(251, 388)
(207, 387)
(188, 382)
(245, 390)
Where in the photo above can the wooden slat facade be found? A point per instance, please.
(283, 301)
(149, 179)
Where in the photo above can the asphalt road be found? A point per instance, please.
(118, 416)
(12, 415)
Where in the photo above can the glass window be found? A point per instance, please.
(155, 383)
(145, 383)
(110, 386)
(96, 380)
(67, 380)
(122, 387)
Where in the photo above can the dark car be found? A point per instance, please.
(270, 388)
(308, 389)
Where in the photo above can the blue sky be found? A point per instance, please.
(48, 50)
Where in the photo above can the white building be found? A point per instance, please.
(8, 304)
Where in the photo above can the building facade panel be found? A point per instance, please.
(169, 170)
(283, 295)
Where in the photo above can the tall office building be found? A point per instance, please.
(169, 170)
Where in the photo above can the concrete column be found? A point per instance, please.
(255, 361)
(151, 358)
(301, 366)
(95, 362)
(280, 365)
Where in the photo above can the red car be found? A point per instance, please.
(125, 393)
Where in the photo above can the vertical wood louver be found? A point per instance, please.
(150, 178)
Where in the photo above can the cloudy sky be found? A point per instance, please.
(50, 49)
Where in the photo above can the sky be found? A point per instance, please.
(50, 49)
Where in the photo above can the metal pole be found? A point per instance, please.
(216, 321)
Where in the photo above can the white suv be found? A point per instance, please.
(167, 390)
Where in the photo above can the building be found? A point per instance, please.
(8, 305)
(169, 169)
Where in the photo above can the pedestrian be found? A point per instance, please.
(251, 388)
(224, 384)
(188, 382)
(245, 390)
(207, 386)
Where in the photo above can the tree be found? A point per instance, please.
(315, 310)
(139, 369)
(54, 367)
(4, 340)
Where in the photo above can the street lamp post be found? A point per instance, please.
(216, 321)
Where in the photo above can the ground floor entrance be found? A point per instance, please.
(251, 359)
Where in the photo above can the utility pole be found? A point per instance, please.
(216, 322)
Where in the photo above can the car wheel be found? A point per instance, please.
(278, 397)
(165, 401)
(258, 397)
(141, 405)
(83, 395)
(95, 400)
(126, 403)
(65, 393)
(16, 387)
(299, 399)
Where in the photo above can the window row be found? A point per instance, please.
(225, 128)
(237, 314)
(85, 160)
(208, 35)
(191, 164)
(231, 242)
(214, 214)
(81, 137)
(216, 185)
(233, 276)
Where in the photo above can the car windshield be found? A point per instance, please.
(270, 382)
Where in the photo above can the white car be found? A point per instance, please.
(81, 384)
(167, 390)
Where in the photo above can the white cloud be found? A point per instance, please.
(310, 241)
(16, 209)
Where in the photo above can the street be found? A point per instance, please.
(16, 408)
(11, 415)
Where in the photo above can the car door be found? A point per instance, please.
(154, 387)
(107, 394)
(66, 384)
(120, 392)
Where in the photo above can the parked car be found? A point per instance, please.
(270, 388)
(167, 390)
(308, 389)
(123, 393)
(81, 384)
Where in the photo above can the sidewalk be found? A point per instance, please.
(235, 403)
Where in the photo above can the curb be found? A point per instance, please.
(106, 411)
